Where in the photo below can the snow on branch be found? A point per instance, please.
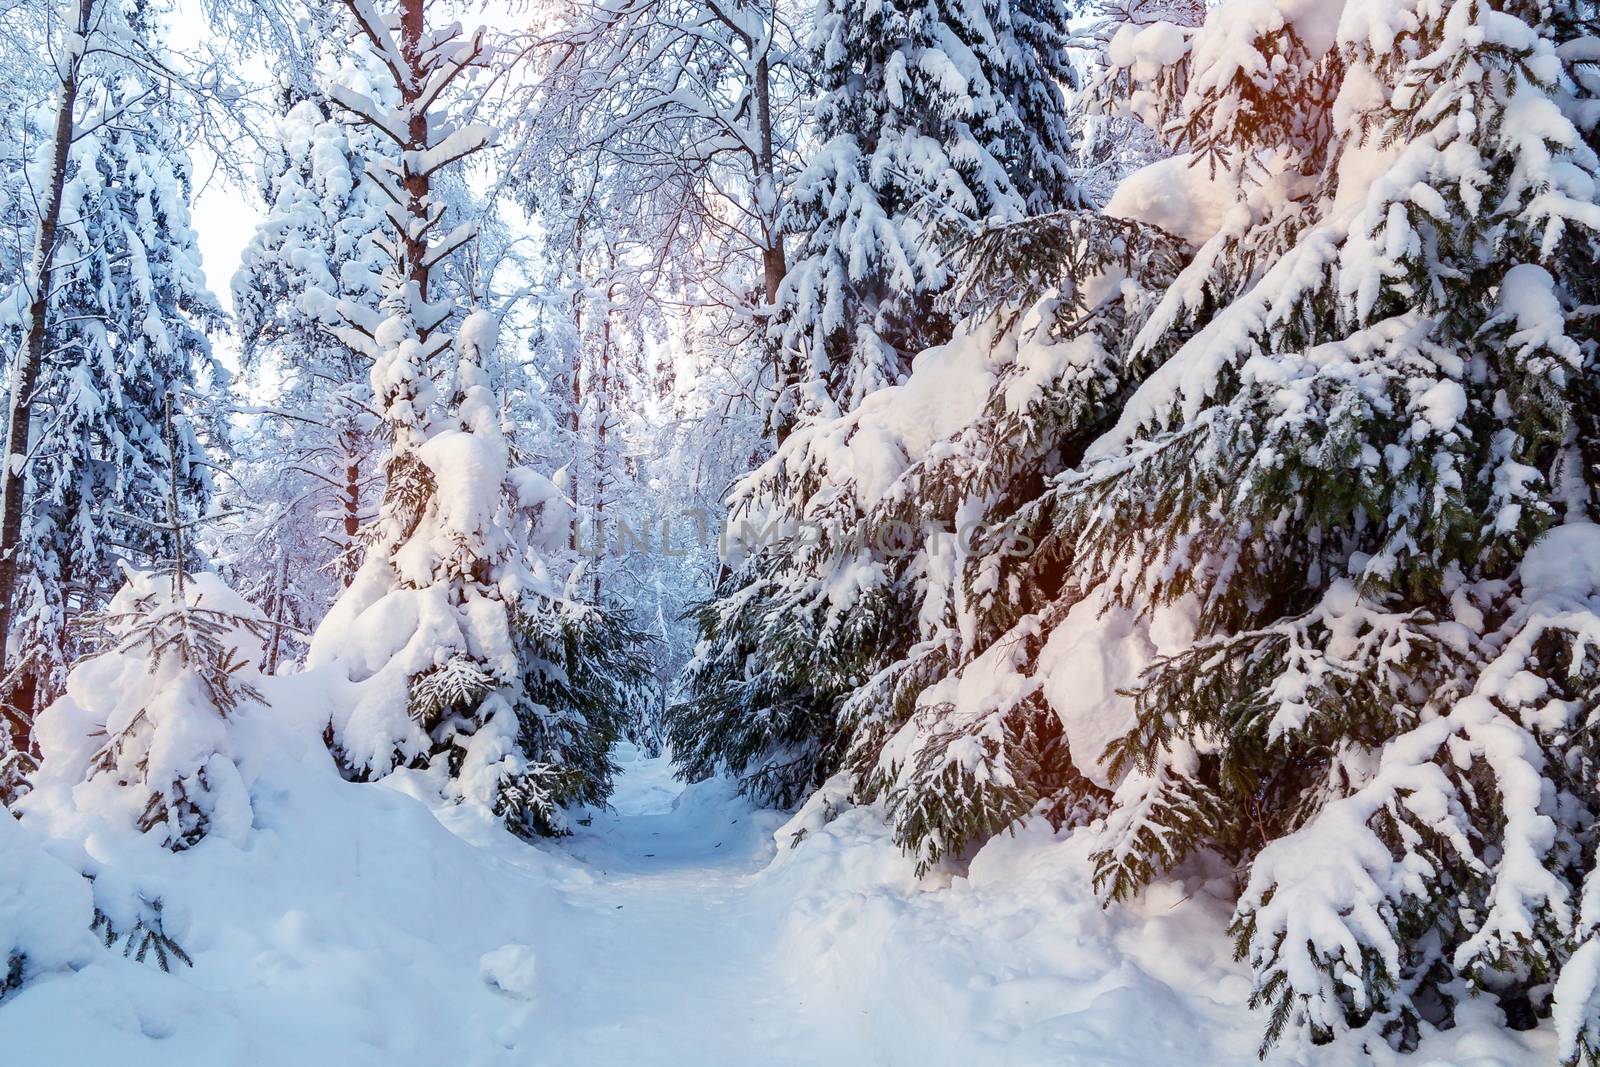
(368, 110)
(376, 29)
(457, 146)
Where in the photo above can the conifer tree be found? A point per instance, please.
(30, 290)
(1317, 536)
(931, 118)
(934, 123)
(468, 656)
(123, 330)
(1354, 460)
(142, 733)
(309, 438)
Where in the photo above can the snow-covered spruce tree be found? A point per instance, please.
(958, 729)
(28, 286)
(498, 682)
(860, 531)
(1327, 516)
(309, 438)
(1313, 546)
(141, 738)
(887, 564)
(932, 117)
(957, 733)
(124, 321)
(466, 655)
(934, 120)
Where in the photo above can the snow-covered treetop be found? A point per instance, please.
(933, 120)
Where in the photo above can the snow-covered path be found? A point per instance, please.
(672, 959)
(684, 944)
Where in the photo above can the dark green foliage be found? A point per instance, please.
(585, 669)
(1026, 283)
(957, 804)
(761, 695)
(1282, 715)
(456, 687)
(146, 938)
(11, 981)
(1007, 268)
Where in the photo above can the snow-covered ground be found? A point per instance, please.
(357, 926)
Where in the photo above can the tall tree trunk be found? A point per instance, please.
(602, 398)
(575, 417)
(773, 264)
(25, 370)
(417, 185)
(773, 267)
(274, 649)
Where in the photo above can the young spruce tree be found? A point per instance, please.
(141, 735)
(467, 656)
(310, 433)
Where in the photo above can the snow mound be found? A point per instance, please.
(1015, 962)
(45, 908)
(351, 924)
(512, 969)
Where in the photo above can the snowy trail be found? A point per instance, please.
(647, 836)
(666, 956)
(679, 948)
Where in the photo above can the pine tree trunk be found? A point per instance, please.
(417, 186)
(25, 373)
(602, 416)
(773, 264)
(773, 267)
(574, 419)
(352, 514)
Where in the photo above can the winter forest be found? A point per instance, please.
(912, 532)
